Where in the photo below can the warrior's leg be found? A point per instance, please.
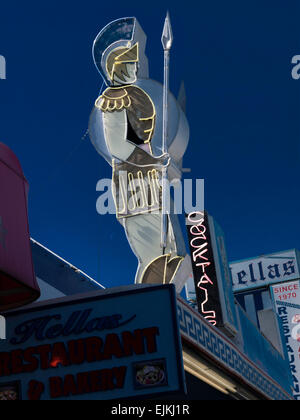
(144, 235)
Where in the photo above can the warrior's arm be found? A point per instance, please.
(115, 128)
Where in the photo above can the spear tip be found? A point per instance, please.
(167, 35)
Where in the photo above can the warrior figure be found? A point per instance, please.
(128, 118)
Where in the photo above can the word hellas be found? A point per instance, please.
(202, 261)
(257, 272)
(79, 322)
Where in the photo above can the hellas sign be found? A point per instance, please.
(267, 269)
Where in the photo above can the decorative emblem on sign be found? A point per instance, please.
(150, 374)
(10, 392)
(123, 127)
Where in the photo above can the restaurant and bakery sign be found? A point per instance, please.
(104, 346)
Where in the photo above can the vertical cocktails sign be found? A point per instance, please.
(207, 292)
(212, 277)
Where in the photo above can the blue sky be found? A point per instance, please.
(242, 105)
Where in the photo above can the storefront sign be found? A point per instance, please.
(212, 279)
(265, 270)
(106, 346)
(286, 298)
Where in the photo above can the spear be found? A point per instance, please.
(167, 41)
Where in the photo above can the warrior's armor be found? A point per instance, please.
(139, 107)
(136, 182)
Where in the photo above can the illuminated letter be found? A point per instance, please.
(192, 218)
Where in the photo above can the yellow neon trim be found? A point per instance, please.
(151, 262)
(165, 269)
(148, 118)
(133, 198)
(123, 194)
(113, 99)
(151, 175)
(117, 61)
(115, 193)
(177, 268)
(130, 102)
(142, 188)
(120, 107)
(111, 104)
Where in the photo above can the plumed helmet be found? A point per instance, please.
(125, 34)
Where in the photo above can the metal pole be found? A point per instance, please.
(167, 40)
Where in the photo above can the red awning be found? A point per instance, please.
(18, 285)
